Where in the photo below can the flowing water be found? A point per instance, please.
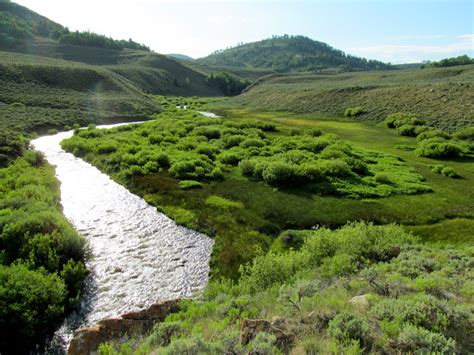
(139, 256)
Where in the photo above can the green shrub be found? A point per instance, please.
(189, 184)
(208, 132)
(247, 167)
(432, 133)
(216, 174)
(185, 170)
(346, 327)
(229, 158)
(421, 129)
(465, 134)
(408, 130)
(417, 340)
(437, 168)
(134, 170)
(266, 126)
(353, 111)
(233, 140)
(107, 148)
(338, 265)
(207, 149)
(449, 171)
(163, 160)
(399, 119)
(422, 310)
(252, 142)
(32, 303)
(155, 138)
(439, 148)
(180, 215)
(364, 243)
(73, 274)
(315, 132)
(336, 168)
(151, 167)
(163, 333)
(277, 173)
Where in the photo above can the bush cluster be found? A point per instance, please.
(41, 255)
(353, 111)
(191, 147)
(445, 170)
(432, 142)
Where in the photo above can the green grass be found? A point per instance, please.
(441, 96)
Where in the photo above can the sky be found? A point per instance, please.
(396, 31)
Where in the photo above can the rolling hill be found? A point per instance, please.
(289, 54)
(442, 96)
(52, 78)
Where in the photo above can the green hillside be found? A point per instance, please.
(290, 54)
(53, 78)
(20, 26)
(442, 96)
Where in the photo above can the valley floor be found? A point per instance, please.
(448, 209)
(281, 281)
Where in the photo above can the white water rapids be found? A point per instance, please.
(139, 256)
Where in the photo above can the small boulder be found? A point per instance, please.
(361, 302)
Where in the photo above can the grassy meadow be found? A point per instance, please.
(450, 199)
(266, 186)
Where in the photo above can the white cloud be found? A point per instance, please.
(415, 53)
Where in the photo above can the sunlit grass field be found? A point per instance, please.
(450, 197)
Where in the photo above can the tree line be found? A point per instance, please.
(450, 62)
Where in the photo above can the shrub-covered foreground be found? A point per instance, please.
(41, 255)
(361, 288)
(192, 147)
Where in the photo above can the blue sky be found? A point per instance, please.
(394, 31)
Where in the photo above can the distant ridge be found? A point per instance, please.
(181, 56)
(290, 54)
